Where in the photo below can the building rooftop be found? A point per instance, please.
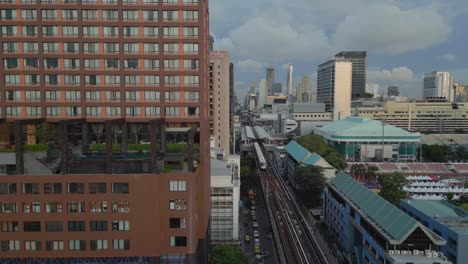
(444, 212)
(365, 129)
(302, 155)
(393, 223)
(308, 108)
(219, 168)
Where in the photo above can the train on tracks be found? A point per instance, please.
(260, 158)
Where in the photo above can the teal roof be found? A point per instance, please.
(365, 129)
(446, 213)
(394, 223)
(302, 155)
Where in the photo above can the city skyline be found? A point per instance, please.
(399, 57)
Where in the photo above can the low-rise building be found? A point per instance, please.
(310, 116)
(363, 139)
(445, 219)
(371, 230)
(297, 156)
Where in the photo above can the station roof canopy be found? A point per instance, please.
(357, 129)
(261, 133)
(249, 132)
(389, 220)
(302, 155)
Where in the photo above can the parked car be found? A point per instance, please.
(261, 255)
(256, 234)
(257, 250)
(257, 241)
(247, 238)
(254, 218)
(255, 224)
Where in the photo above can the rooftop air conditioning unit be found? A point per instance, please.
(404, 252)
(391, 252)
(415, 252)
(435, 254)
(397, 252)
(428, 255)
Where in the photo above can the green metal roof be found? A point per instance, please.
(395, 224)
(365, 129)
(302, 155)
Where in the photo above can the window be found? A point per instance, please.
(97, 187)
(110, 1)
(92, 79)
(52, 95)
(171, 64)
(113, 111)
(150, 31)
(178, 241)
(120, 225)
(50, 47)
(32, 245)
(12, 111)
(153, 111)
(71, 63)
(9, 31)
(150, 15)
(110, 14)
(132, 79)
(192, 111)
(49, 14)
(11, 95)
(177, 186)
(132, 95)
(30, 188)
(177, 223)
(31, 63)
(9, 47)
(73, 110)
(51, 63)
(29, 14)
(29, 31)
(8, 208)
(130, 1)
(113, 95)
(93, 111)
(33, 111)
(53, 111)
(70, 31)
(122, 244)
(192, 96)
(91, 47)
(111, 47)
(53, 207)
(89, 14)
(11, 226)
(54, 226)
(171, 47)
(71, 47)
(171, 80)
(191, 80)
(151, 47)
(111, 31)
(131, 63)
(97, 226)
(170, 15)
(190, 15)
(77, 244)
(131, 47)
(90, 31)
(112, 79)
(93, 95)
(120, 207)
(190, 31)
(12, 63)
(151, 63)
(69, 14)
(130, 14)
(72, 79)
(31, 226)
(190, 1)
(130, 31)
(76, 188)
(76, 207)
(52, 79)
(98, 245)
(9, 245)
(76, 226)
(120, 187)
(54, 245)
(151, 80)
(98, 207)
(190, 48)
(170, 1)
(50, 31)
(12, 79)
(152, 96)
(170, 31)
(150, 1)
(172, 96)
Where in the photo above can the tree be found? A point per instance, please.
(461, 153)
(315, 143)
(358, 171)
(247, 174)
(435, 153)
(371, 173)
(336, 160)
(309, 183)
(227, 254)
(392, 187)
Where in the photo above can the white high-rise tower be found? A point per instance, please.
(262, 93)
(290, 79)
(438, 84)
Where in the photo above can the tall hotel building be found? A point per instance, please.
(115, 94)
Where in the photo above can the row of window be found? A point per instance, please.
(53, 63)
(168, 2)
(14, 95)
(95, 14)
(58, 226)
(58, 245)
(57, 207)
(56, 188)
(97, 111)
(109, 47)
(94, 79)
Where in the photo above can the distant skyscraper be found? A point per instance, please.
(290, 79)
(393, 91)
(334, 79)
(270, 78)
(302, 88)
(262, 93)
(438, 84)
(359, 61)
(461, 92)
(211, 43)
(276, 88)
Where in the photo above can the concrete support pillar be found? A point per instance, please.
(19, 147)
(84, 137)
(64, 148)
(109, 140)
(162, 128)
(124, 135)
(154, 134)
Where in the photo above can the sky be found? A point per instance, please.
(403, 39)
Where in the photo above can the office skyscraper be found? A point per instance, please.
(270, 79)
(276, 88)
(393, 91)
(334, 80)
(120, 91)
(359, 61)
(438, 84)
(290, 79)
(262, 94)
(303, 88)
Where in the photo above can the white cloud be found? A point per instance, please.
(251, 66)
(448, 57)
(400, 74)
(391, 30)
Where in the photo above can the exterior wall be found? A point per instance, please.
(359, 60)
(220, 63)
(438, 84)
